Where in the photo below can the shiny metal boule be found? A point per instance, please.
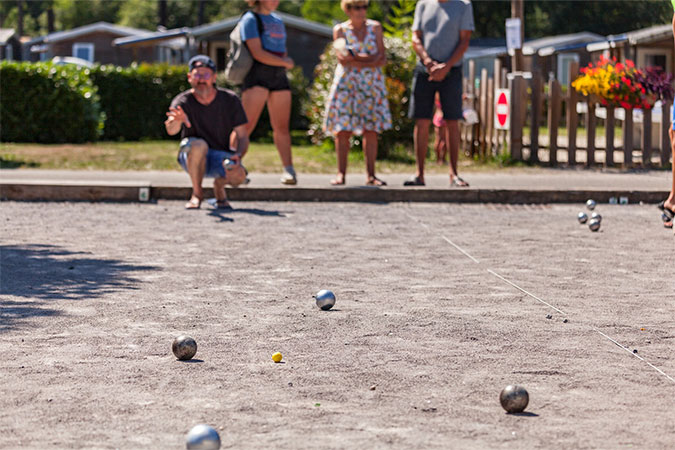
(590, 204)
(514, 398)
(184, 347)
(596, 216)
(594, 224)
(582, 217)
(325, 299)
(202, 437)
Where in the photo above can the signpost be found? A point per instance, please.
(502, 109)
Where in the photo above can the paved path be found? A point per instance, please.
(526, 185)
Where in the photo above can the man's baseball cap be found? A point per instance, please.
(201, 61)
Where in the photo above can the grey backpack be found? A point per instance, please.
(239, 59)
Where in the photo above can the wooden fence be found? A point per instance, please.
(535, 103)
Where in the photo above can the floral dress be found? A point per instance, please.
(358, 97)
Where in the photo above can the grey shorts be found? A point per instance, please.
(424, 94)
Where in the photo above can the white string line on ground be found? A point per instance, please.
(523, 290)
(542, 301)
(635, 354)
(446, 239)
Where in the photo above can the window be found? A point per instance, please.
(660, 57)
(9, 52)
(84, 50)
(564, 60)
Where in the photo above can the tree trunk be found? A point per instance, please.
(19, 18)
(161, 8)
(200, 15)
(50, 18)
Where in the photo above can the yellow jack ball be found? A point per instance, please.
(277, 357)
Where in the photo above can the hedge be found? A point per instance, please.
(44, 103)
(135, 99)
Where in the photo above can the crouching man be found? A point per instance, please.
(206, 116)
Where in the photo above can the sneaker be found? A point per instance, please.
(288, 178)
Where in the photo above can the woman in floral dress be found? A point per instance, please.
(357, 103)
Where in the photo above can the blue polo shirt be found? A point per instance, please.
(273, 37)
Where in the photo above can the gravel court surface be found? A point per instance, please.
(93, 294)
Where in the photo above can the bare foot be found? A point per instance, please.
(339, 180)
(194, 203)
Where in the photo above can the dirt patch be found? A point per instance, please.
(423, 337)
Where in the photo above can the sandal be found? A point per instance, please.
(667, 212)
(194, 203)
(414, 181)
(458, 182)
(374, 181)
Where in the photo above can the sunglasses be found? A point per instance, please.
(202, 76)
(358, 7)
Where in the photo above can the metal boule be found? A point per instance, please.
(597, 216)
(582, 217)
(184, 347)
(590, 204)
(325, 299)
(514, 398)
(202, 437)
(594, 224)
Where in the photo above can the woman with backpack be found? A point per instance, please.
(266, 82)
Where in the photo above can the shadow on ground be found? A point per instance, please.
(42, 273)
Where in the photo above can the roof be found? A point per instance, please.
(222, 26)
(636, 37)
(87, 29)
(5, 35)
(543, 46)
(288, 19)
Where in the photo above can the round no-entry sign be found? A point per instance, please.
(502, 108)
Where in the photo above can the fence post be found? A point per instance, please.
(472, 95)
(536, 115)
(590, 133)
(482, 132)
(554, 106)
(609, 137)
(516, 124)
(490, 128)
(628, 139)
(572, 98)
(646, 137)
(665, 137)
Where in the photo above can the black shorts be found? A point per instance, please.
(272, 78)
(424, 94)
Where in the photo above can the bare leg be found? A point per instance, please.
(196, 165)
(342, 152)
(452, 143)
(279, 107)
(670, 201)
(421, 145)
(253, 100)
(370, 151)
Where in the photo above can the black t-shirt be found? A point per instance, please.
(213, 122)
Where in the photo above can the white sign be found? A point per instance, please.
(502, 108)
(513, 34)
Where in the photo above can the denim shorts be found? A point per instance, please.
(272, 78)
(424, 94)
(214, 158)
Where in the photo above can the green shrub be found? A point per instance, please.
(398, 72)
(135, 99)
(45, 103)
